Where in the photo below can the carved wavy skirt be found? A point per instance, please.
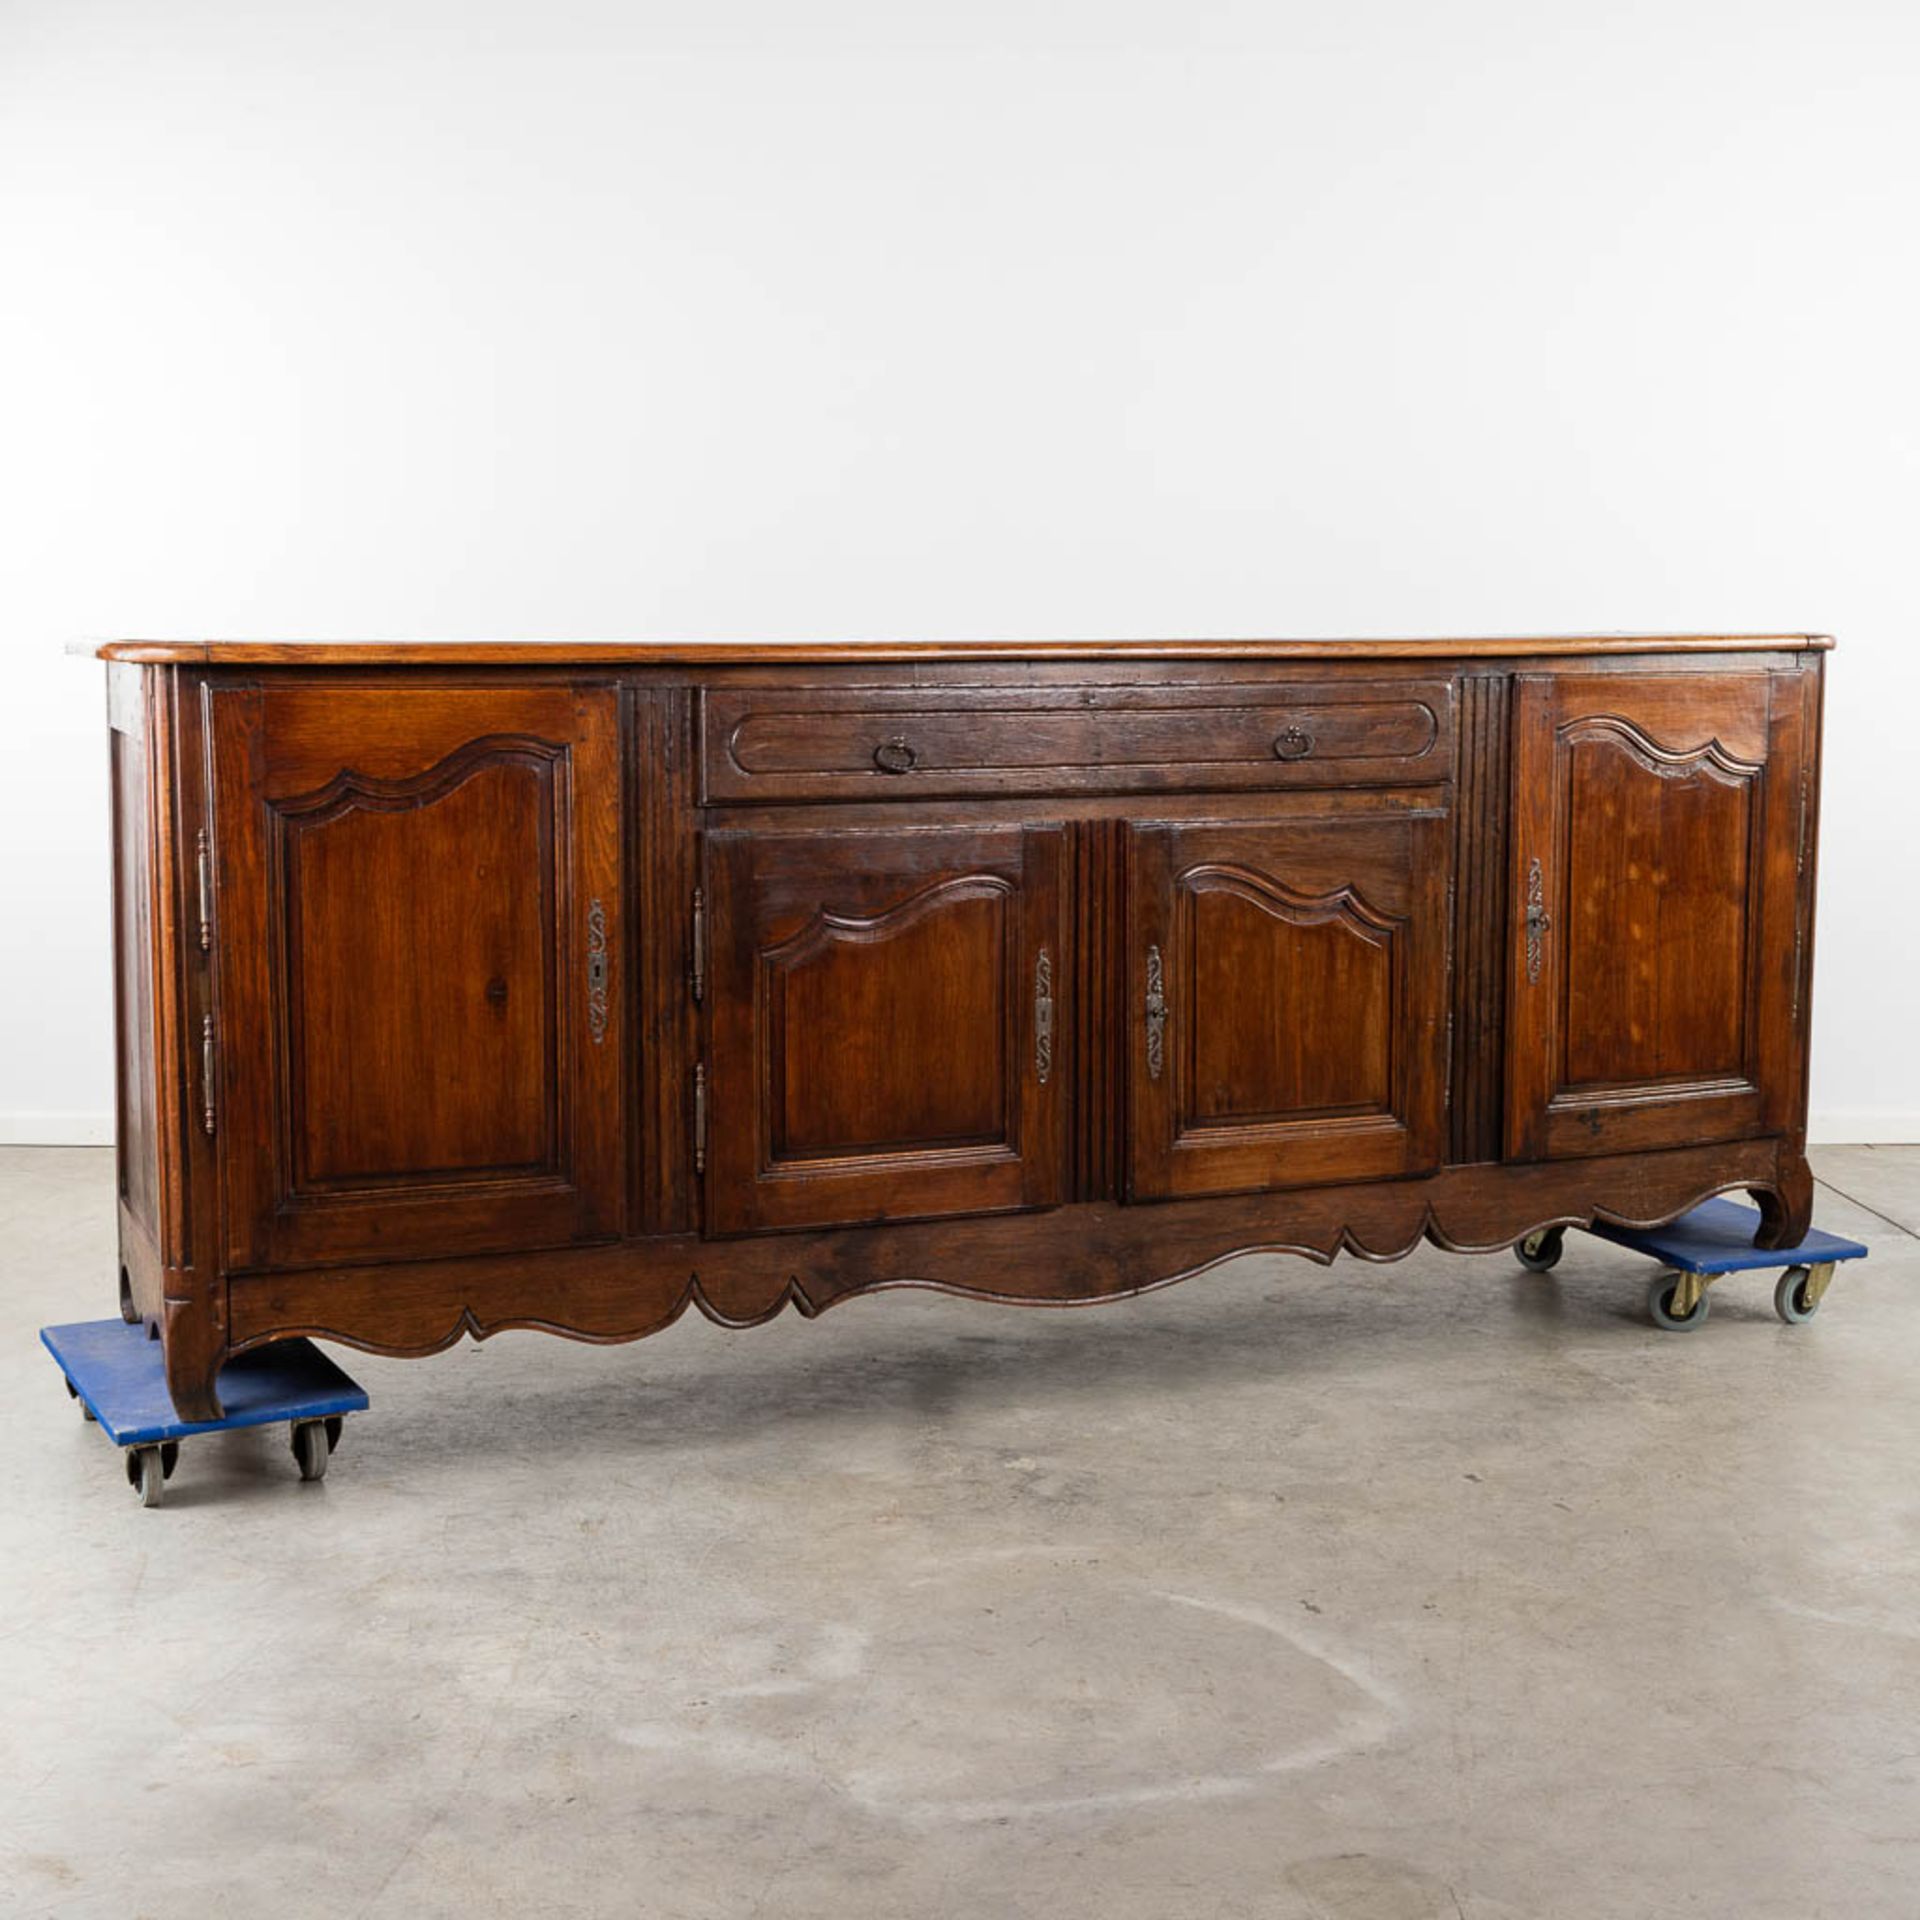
(1070, 1256)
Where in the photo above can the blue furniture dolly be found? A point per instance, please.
(115, 1371)
(1715, 1238)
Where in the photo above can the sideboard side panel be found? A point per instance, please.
(170, 1275)
(144, 1160)
(1811, 676)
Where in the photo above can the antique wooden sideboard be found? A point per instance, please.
(471, 987)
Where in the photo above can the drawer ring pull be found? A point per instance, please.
(1294, 744)
(895, 756)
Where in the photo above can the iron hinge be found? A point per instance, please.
(206, 1074)
(699, 1119)
(203, 861)
(699, 962)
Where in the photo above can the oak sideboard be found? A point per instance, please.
(462, 987)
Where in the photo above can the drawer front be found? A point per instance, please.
(826, 742)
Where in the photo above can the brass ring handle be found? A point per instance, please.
(895, 756)
(1294, 744)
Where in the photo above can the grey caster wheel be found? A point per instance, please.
(313, 1447)
(86, 1412)
(1660, 1305)
(150, 1468)
(1540, 1252)
(1790, 1299)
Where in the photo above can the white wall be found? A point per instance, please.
(858, 318)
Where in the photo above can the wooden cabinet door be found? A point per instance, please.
(419, 953)
(1286, 1001)
(1654, 937)
(885, 1024)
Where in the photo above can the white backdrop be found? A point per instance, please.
(876, 318)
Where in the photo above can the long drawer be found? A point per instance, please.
(831, 742)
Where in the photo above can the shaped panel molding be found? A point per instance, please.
(1653, 865)
(412, 888)
(931, 977)
(1304, 981)
(874, 1038)
(1293, 1002)
(420, 1021)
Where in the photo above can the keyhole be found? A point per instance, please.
(497, 991)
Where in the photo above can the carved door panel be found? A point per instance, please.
(885, 1024)
(1655, 936)
(419, 941)
(1286, 1000)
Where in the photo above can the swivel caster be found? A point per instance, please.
(313, 1442)
(1666, 1293)
(1798, 1293)
(1540, 1252)
(150, 1468)
(86, 1412)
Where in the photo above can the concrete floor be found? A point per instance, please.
(1376, 1593)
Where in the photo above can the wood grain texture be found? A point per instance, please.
(456, 1010)
(662, 877)
(155, 1089)
(1656, 991)
(871, 1033)
(411, 886)
(194, 1314)
(828, 741)
(1480, 918)
(1303, 966)
(426, 1018)
(168, 1275)
(1097, 1062)
(1651, 886)
(138, 1118)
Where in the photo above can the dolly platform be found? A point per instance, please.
(115, 1371)
(1716, 1238)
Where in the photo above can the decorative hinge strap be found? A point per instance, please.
(699, 1118)
(206, 1073)
(698, 964)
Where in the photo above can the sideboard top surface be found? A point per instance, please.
(694, 653)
